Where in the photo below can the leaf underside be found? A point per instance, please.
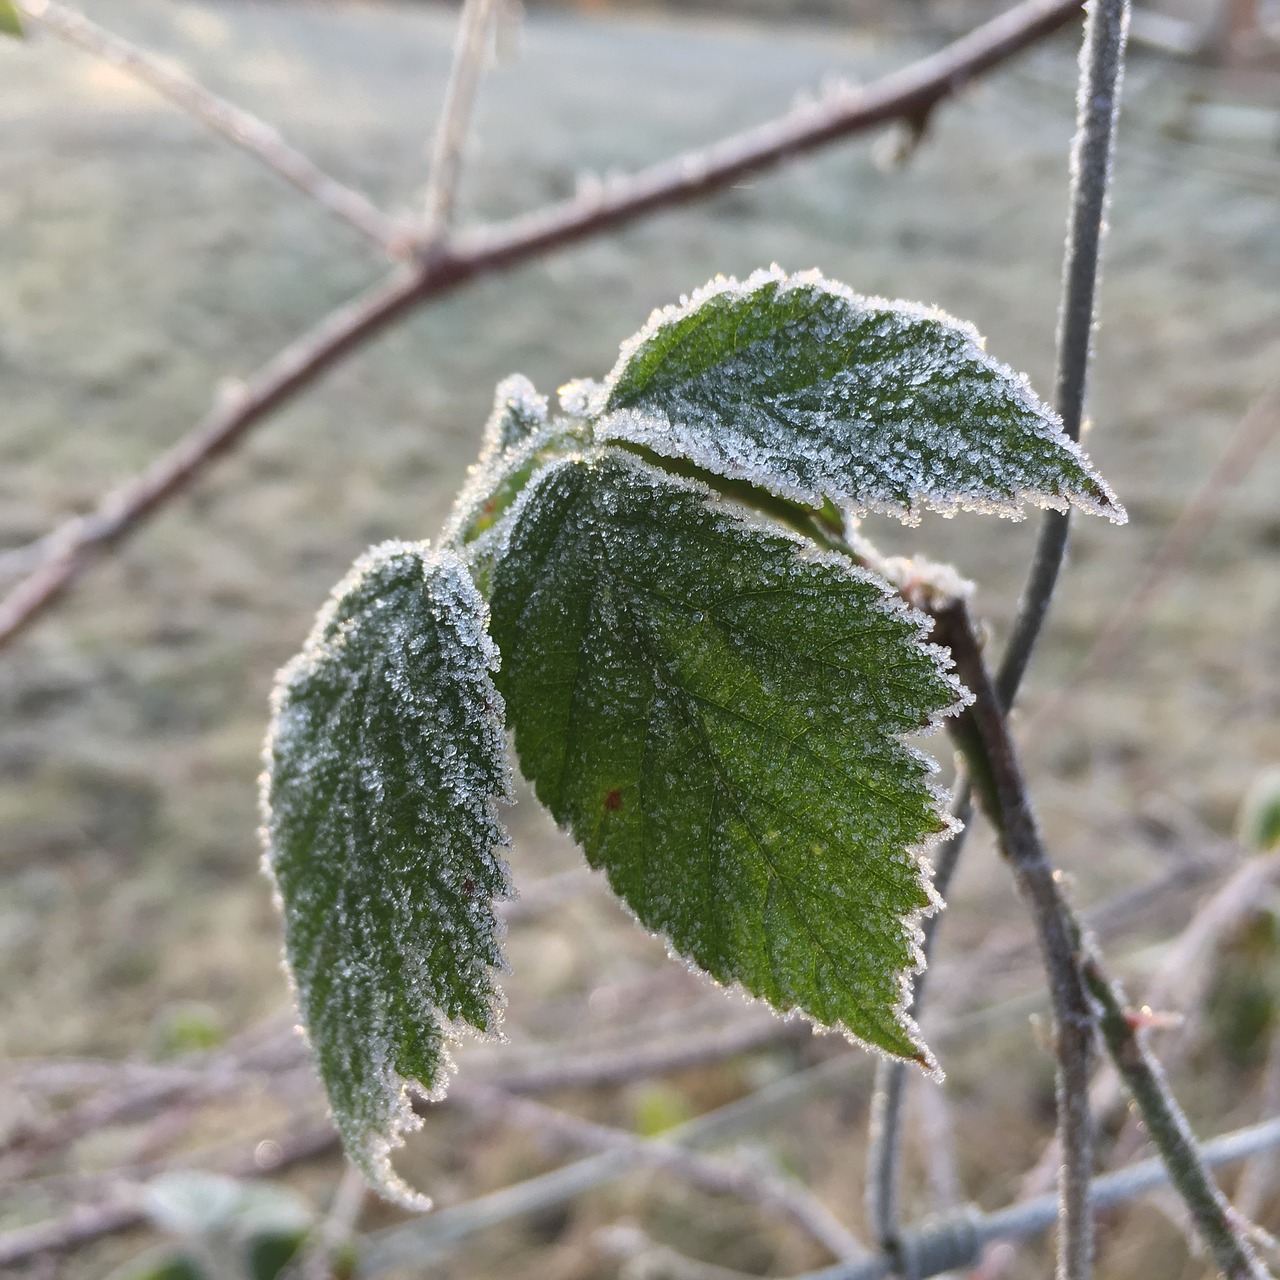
(802, 387)
(385, 757)
(713, 710)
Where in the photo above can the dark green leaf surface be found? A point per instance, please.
(713, 709)
(385, 758)
(798, 385)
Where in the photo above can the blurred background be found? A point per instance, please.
(144, 263)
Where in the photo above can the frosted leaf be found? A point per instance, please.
(383, 764)
(802, 387)
(714, 708)
(518, 411)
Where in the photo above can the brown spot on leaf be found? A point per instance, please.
(613, 800)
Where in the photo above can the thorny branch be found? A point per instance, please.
(1077, 977)
(1097, 113)
(906, 94)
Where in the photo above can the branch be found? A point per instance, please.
(1167, 1127)
(455, 117)
(957, 1241)
(1097, 113)
(903, 94)
(242, 128)
(788, 1198)
(982, 738)
(1075, 975)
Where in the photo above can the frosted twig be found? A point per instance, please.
(1216, 1223)
(1077, 977)
(982, 737)
(1255, 431)
(884, 1144)
(785, 1198)
(1097, 114)
(957, 1240)
(689, 177)
(1177, 985)
(240, 127)
(470, 46)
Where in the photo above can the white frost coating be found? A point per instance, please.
(518, 411)
(365, 921)
(582, 397)
(856, 435)
(892, 604)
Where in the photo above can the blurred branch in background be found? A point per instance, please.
(241, 127)
(909, 94)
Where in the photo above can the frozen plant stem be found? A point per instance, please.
(1168, 1129)
(888, 1098)
(1097, 112)
(1076, 974)
(983, 741)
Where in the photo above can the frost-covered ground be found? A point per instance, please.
(143, 261)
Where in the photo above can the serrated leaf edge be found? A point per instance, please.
(919, 853)
(372, 1154)
(638, 427)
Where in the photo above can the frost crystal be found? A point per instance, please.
(518, 411)
(383, 764)
(803, 388)
(714, 708)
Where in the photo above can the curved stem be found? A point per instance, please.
(1097, 111)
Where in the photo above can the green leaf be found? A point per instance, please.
(800, 386)
(384, 760)
(10, 22)
(713, 707)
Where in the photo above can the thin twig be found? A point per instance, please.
(1216, 1222)
(958, 1239)
(903, 94)
(787, 1198)
(241, 127)
(1097, 114)
(1101, 64)
(470, 46)
(1075, 975)
(884, 1140)
(982, 737)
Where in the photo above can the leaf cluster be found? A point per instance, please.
(660, 590)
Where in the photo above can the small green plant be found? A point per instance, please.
(709, 673)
